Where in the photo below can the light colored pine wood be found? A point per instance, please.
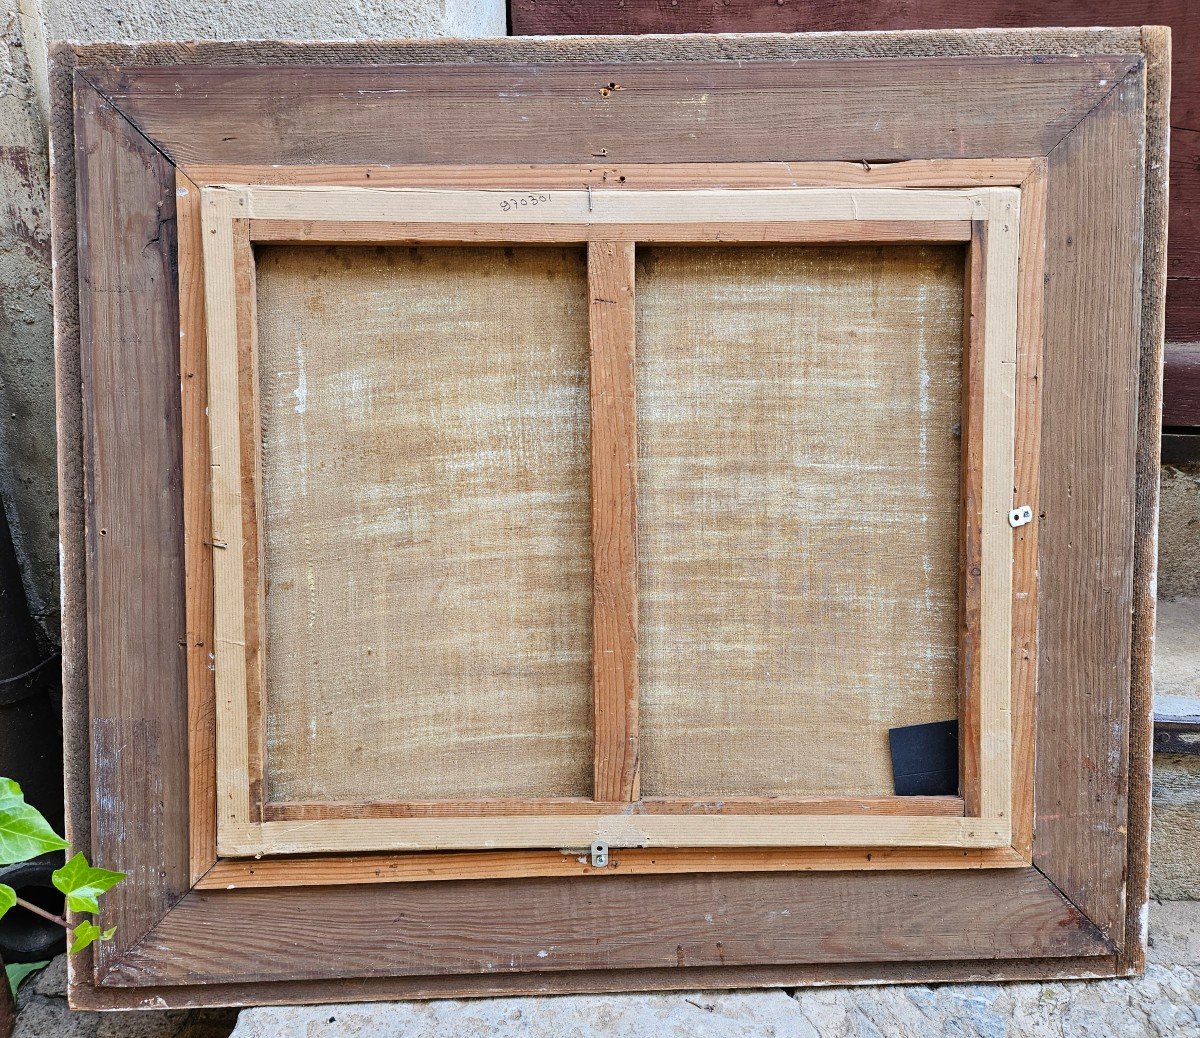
(948, 807)
(604, 206)
(325, 870)
(1030, 303)
(620, 830)
(999, 367)
(372, 232)
(219, 209)
(914, 173)
(614, 521)
(197, 532)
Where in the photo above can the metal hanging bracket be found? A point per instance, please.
(599, 855)
(1021, 516)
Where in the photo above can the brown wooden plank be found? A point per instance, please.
(573, 17)
(571, 924)
(326, 870)
(971, 519)
(1181, 385)
(1183, 310)
(725, 978)
(614, 520)
(250, 449)
(129, 331)
(548, 17)
(226, 432)
(1148, 474)
(497, 113)
(197, 525)
(1086, 535)
(942, 807)
(814, 231)
(998, 172)
(1183, 254)
(1030, 322)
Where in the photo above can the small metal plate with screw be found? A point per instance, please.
(599, 855)
(1020, 516)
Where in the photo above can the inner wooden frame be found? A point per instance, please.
(610, 221)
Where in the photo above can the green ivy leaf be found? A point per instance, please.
(24, 833)
(83, 935)
(83, 884)
(18, 972)
(87, 932)
(8, 898)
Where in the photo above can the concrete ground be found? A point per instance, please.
(1163, 1003)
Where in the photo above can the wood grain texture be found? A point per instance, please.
(70, 421)
(611, 320)
(618, 829)
(197, 527)
(380, 988)
(550, 17)
(1031, 287)
(756, 591)
(384, 233)
(984, 172)
(980, 971)
(941, 806)
(996, 560)
(1183, 311)
(427, 522)
(615, 205)
(191, 110)
(496, 113)
(327, 870)
(970, 570)
(914, 204)
(136, 629)
(1086, 536)
(249, 438)
(1157, 44)
(571, 17)
(233, 496)
(494, 926)
(1181, 386)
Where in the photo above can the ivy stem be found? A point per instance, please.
(43, 913)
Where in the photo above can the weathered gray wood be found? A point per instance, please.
(499, 926)
(698, 111)
(1157, 44)
(129, 330)
(154, 848)
(1091, 360)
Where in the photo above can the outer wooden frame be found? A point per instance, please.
(610, 221)
(1091, 103)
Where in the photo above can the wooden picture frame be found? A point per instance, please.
(144, 134)
(609, 222)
